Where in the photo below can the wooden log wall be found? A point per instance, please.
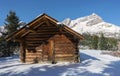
(64, 48)
(33, 57)
(39, 39)
(38, 47)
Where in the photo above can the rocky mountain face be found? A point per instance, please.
(93, 24)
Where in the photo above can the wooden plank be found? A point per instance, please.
(65, 59)
(35, 39)
(46, 30)
(32, 54)
(38, 36)
(64, 51)
(22, 51)
(44, 33)
(32, 58)
(64, 55)
(34, 42)
(29, 52)
(39, 24)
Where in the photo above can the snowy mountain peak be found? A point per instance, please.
(91, 19)
(95, 15)
(67, 21)
(93, 24)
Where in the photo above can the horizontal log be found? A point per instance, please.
(44, 33)
(33, 53)
(64, 55)
(38, 36)
(64, 45)
(30, 57)
(63, 42)
(64, 52)
(64, 39)
(46, 30)
(64, 59)
(33, 56)
(65, 49)
(45, 56)
(34, 42)
(35, 39)
(41, 39)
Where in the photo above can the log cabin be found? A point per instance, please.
(44, 40)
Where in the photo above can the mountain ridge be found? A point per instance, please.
(93, 24)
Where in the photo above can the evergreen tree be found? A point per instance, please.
(112, 44)
(94, 42)
(11, 25)
(12, 22)
(87, 39)
(102, 45)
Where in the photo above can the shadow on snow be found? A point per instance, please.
(113, 69)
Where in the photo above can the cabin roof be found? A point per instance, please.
(37, 22)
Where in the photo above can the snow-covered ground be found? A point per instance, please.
(93, 63)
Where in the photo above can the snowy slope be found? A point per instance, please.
(92, 64)
(93, 24)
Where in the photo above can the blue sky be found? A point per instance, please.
(27, 10)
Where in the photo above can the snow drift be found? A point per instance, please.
(93, 63)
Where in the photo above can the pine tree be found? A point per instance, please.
(11, 25)
(94, 42)
(87, 40)
(112, 44)
(12, 22)
(102, 44)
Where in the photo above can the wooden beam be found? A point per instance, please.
(24, 34)
(51, 19)
(47, 22)
(39, 24)
(34, 39)
(22, 51)
(76, 56)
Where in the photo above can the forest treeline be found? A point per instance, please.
(99, 42)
